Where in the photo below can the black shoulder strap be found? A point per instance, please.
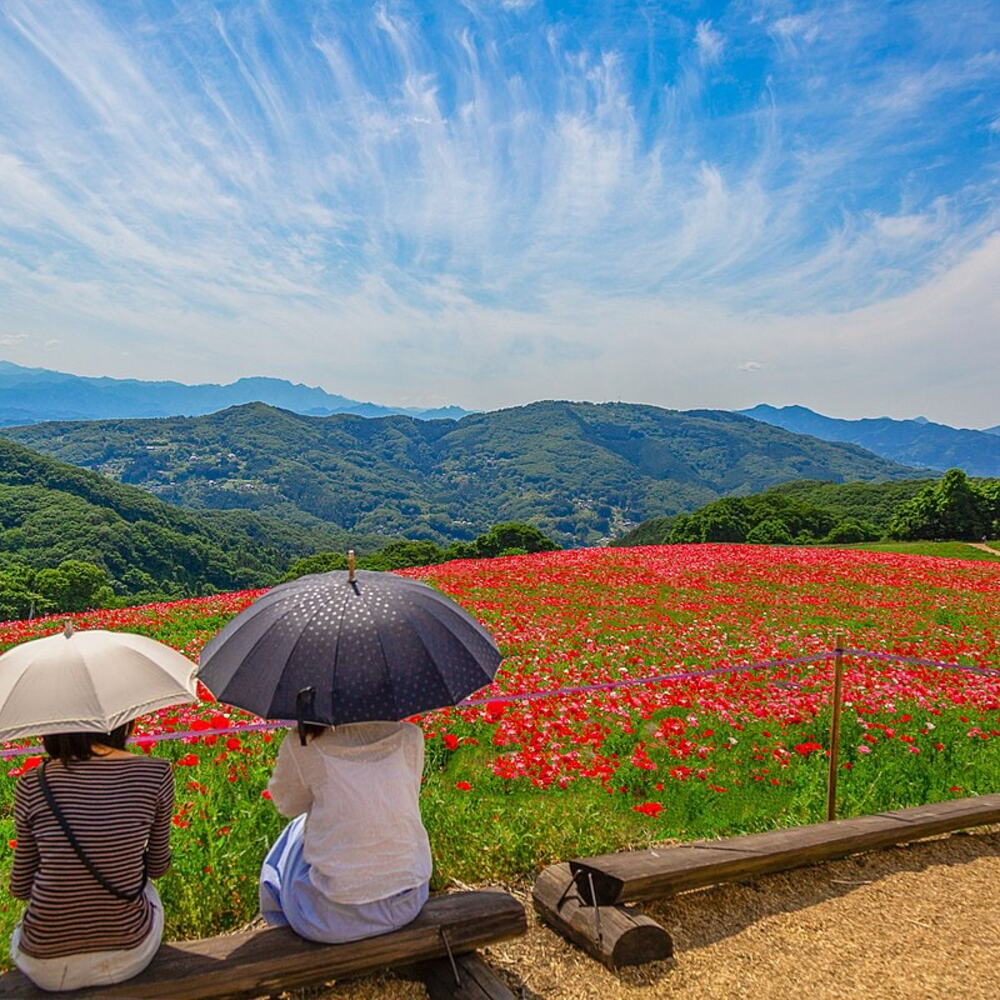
(75, 844)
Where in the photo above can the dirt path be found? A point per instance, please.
(913, 923)
(982, 546)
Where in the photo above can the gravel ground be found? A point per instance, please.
(914, 923)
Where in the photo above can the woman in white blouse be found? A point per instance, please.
(355, 862)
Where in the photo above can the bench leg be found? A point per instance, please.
(479, 982)
(614, 935)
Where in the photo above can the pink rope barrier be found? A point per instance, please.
(920, 661)
(673, 678)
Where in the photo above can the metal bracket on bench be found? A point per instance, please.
(451, 957)
(597, 909)
(574, 882)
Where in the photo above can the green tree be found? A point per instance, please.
(851, 530)
(722, 526)
(951, 508)
(73, 585)
(770, 532)
(399, 555)
(513, 535)
(18, 596)
(318, 562)
(990, 492)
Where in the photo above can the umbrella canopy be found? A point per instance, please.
(88, 682)
(344, 647)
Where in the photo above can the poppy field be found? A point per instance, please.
(511, 785)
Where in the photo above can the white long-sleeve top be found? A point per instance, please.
(360, 786)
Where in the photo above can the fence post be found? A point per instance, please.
(838, 686)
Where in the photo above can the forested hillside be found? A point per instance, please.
(579, 471)
(953, 507)
(51, 512)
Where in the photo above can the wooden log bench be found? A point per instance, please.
(573, 897)
(615, 935)
(261, 962)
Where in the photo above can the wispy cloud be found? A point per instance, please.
(709, 42)
(206, 190)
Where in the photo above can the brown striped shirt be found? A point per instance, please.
(115, 807)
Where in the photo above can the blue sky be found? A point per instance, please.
(492, 201)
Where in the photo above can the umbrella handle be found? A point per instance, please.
(305, 703)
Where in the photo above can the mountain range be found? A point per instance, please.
(582, 472)
(31, 395)
(918, 442)
(35, 395)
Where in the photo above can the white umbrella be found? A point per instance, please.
(89, 681)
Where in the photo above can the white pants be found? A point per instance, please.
(97, 968)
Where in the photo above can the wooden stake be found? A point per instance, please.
(352, 565)
(838, 687)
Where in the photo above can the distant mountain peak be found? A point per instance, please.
(917, 442)
(35, 395)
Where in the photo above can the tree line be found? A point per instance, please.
(953, 507)
(77, 585)
(512, 538)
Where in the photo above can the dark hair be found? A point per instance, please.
(79, 746)
(313, 729)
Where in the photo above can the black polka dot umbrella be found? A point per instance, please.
(348, 647)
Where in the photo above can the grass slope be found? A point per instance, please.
(51, 511)
(946, 550)
(580, 471)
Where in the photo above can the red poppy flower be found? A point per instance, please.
(495, 711)
(649, 808)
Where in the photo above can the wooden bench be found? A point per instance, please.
(584, 899)
(255, 963)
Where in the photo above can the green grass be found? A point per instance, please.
(946, 550)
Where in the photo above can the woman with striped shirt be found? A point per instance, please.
(92, 826)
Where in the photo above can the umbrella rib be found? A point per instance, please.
(26, 679)
(437, 669)
(387, 672)
(233, 626)
(480, 632)
(459, 613)
(246, 656)
(299, 638)
(336, 655)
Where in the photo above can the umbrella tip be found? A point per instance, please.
(352, 565)
(68, 628)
